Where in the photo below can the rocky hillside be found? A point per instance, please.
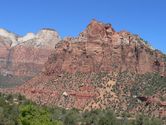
(25, 56)
(102, 68)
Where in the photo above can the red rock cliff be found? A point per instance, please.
(101, 48)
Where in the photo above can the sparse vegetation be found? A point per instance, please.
(146, 42)
(148, 84)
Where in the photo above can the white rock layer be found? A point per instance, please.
(9, 35)
(44, 38)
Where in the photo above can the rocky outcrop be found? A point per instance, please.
(25, 56)
(101, 48)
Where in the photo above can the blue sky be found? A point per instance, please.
(146, 18)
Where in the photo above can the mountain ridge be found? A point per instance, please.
(24, 57)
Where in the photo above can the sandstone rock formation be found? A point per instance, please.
(5, 45)
(100, 48)
(25, 56)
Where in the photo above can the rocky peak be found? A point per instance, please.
(9, 35)
(27, 37)
(98, 30)
(48, 37)
(45, 38)
(47, 33)
(6, 33)
(101, 48)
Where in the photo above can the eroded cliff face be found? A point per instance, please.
(100, 48)
(5, 45)
(25, 56)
